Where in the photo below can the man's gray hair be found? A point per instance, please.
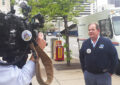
(97, 26)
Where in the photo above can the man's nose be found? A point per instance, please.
(90, 30)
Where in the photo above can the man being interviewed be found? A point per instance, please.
(98, 57)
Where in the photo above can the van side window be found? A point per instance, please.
(3, 2)
(116, 24)
(105, 28)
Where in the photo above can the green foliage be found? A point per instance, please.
(65, 45)
(64, 37)
(48, 26)
(39, 6)
(90, 1)
(52, 8)
(57, 8)
(66, 53)
(12, 2)
(68, 58)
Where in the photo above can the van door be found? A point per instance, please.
(105, 28)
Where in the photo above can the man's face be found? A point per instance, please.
(93, 32)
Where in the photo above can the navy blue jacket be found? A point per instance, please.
(102, 58)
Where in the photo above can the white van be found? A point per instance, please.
(109, 22)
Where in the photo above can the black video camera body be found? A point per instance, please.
(16, 33)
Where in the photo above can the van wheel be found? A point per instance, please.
(117, 71)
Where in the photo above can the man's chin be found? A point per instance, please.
(91, 37)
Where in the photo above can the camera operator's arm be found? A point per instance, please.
(28, 70)
(41, 43)
(20, 76)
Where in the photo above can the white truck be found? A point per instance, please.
(109, 22)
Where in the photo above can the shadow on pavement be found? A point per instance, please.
(62, 65)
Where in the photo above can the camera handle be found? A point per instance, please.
(39, 53)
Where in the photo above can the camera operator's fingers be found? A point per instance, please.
(40, 35)
(32, 58)
(40, 41)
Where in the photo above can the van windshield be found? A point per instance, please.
(116, 24)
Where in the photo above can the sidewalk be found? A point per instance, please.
(63, 74)
(68, 75)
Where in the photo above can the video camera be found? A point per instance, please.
(16, 33)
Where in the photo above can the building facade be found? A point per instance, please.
(93, 6)
(106, 4)
(88, 6)
(4, 6)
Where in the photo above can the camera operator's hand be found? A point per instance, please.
(41, 43)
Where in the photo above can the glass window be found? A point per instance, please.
(105, 28)
(3, 2)
(116, 24)
(111, 1)
(117, 3)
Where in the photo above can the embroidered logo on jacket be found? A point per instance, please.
(101, 46)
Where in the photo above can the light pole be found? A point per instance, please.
(59, 29)
(59, 25)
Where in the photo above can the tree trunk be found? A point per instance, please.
(67, 40)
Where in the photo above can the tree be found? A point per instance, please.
(58, 8)
(12, 3)
(48, 26)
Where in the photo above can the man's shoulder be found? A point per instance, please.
(105, 39)
(86, 41)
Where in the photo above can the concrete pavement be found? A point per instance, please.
(68, 75)
(65, 75)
